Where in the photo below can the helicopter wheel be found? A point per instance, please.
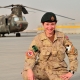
(18, 34)
(3, 35)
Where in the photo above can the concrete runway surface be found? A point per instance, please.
(12, 53)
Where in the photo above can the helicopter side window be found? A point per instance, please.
(24, 19)
(6, 20)
(2, 21)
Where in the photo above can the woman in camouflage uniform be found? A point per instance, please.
(44, 59)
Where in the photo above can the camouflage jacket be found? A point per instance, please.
(52, 54)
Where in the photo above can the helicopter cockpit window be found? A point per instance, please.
(16, 19)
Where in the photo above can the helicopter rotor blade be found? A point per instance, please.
(46, 11)
(65, 17)
(24, 10)
(32, 11)
(8, 6)
(11, 5)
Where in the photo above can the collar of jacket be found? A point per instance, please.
(57, 35)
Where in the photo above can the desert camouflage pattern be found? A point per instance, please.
(51, 63)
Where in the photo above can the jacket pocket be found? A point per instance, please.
(61, 55)
(44, 55)
(54, 53)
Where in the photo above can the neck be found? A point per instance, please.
(49, 34)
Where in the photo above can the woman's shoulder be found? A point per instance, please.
(59, 33)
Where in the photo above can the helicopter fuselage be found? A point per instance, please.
(12, 24)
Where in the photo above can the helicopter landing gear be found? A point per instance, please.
(18, 34)
(3, 35)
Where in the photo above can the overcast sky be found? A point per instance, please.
(68, 8)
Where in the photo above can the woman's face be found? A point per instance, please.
(49, 27)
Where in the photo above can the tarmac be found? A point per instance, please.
(12, 54)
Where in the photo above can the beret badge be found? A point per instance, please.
(52, 18)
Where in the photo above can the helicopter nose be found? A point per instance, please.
(22, 25)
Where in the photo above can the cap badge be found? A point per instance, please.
(52, 18)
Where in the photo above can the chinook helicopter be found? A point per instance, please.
(16, 22)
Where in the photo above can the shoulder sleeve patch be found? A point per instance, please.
(30, 54)
(66, 37)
